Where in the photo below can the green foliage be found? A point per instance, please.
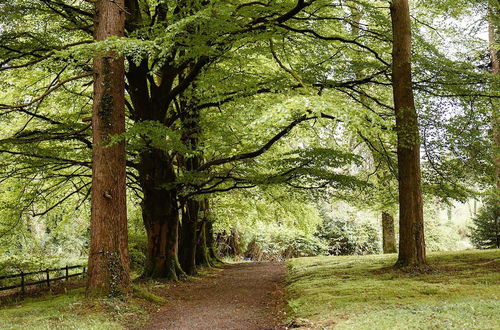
(347, 236)
(444, 233)
(254, 74)
(154, 134)
(137, 245)
(278, 243)
(485, 232)
(30, 263)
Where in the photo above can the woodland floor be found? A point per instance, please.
(236, 296)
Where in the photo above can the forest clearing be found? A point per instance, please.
(240, 164)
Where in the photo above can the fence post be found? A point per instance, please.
(48, 278)
(22, 281)
(67, 277)
(83, 273)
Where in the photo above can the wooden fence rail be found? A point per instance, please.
(23, 276)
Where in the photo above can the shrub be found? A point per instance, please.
(346, 236)
(137, 245)
(278, 244)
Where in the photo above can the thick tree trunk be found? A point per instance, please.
(388, 233)
(189, 236)
(411, 219)
(160, 215)
(108, 272)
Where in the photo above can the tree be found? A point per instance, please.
(108, 269)
(291, 66)
(493, 26)
(485, 232)
(411, 219)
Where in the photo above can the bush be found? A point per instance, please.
(346, 236)
(279, 244)
(137, 245)
(485, 232)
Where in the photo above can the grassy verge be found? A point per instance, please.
(71, 310)
(461, 291)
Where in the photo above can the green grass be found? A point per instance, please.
(72, 310)
(460, 291)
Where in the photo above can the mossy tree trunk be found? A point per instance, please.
(411, 221)
(108, 270)
(160, 215)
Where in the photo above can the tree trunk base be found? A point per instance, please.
(168, 269)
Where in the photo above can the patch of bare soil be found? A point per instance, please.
(241, 296)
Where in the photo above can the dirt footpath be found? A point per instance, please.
(240, 296)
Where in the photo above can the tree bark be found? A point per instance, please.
(388, 233)
(160, 215)
(495, 70)
(411, 220)
(189, 236)
(108, 272)
(192, 224)
(202, 251)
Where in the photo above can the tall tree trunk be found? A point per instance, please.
(495, 70)
(160, 215)
(411, 219)
(108, 272)
(191, 222)
(388, 233)
(189, 236)
(202, 251)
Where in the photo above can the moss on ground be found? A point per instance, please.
(461, 290)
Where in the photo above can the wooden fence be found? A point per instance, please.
(46, 278)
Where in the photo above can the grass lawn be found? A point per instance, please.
(460, 291)
(72, 310)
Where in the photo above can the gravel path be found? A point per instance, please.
(240, 296)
